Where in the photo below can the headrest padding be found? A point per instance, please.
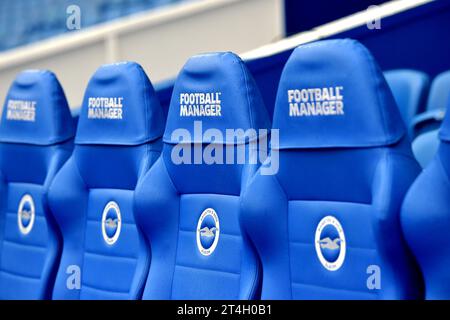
(36, 110)
(120, 107)
(218, 90)
(333, 94)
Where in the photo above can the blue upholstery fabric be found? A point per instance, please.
(425, 219)
(439, 92)
(334, 71)
(36, 137)
(410, 89)
(342, 176)
(430, 121)
(173, 197)
(438, 101)
(425, 146)
(91, 198)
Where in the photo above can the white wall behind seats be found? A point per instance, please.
(161, 40)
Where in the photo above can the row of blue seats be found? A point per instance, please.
(27, 21)
(422, 107)
(132, 204)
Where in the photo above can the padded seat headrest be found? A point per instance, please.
(120, 107)
(218, 90)
(36, 110)
(333, 94)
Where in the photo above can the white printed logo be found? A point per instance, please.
(105, 108)
(111, 222)
(26, 214)
(330, 243)
(208, 230)
(21, 110)
(316, 102)
(200, 104)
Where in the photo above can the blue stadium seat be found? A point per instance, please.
(437, 103)
(326, 226)
(424, 147)
(426, 219)
(36, 138)
(118, 138)
(410, 89)
(188, 204)
(431, 119)
(439, 92)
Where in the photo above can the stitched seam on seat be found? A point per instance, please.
(334, 289)
(124, 257)
(142, 237)
(287, 227)
(16, 274)
(247, 92)
(37, 246)
(146, 103)
(94, 287)
(373, 72)
(179, 217)
(180, 265)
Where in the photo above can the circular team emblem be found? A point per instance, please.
(111, 222)
(330, 243)
(208, 231)
(26, 214)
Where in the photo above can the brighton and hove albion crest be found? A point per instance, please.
(26, 214)
(111, 222)
(208, 230)
(330, 243)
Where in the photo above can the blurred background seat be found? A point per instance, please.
(424, 126)
(410, 89)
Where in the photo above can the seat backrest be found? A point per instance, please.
(118, 138)
(410, 89)
(425, 219)
(36, 138)
(425, 146)
(326, 226)
(188, 203)
(425, 127)
(439, 92)
(437, 104)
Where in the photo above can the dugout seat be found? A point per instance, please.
(326, 225)
(36, 138)
(426, 219)
(188, 203)
(118, 139)
(425, 126)
(410, 90)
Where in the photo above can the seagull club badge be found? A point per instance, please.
(208, 230)
(330, 243)
(111, 223)
(26, 214)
